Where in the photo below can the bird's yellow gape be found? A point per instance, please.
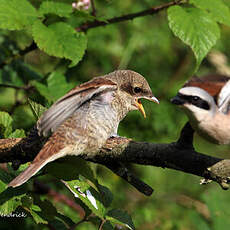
(141, 107)
(81, 121)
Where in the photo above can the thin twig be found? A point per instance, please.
(101, 224)
(21, 53)
(11, 86)
(153, 10)
(93, 8)
(27, 87)
(89, 25)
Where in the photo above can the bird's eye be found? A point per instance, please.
(195, 98)
(137, 90)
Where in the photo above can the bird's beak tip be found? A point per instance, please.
(154, 99)
(177, 100)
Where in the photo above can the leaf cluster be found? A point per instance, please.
(43, 55)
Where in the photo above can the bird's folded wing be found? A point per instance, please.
(71, 102)
(212, 83)
(224, 98)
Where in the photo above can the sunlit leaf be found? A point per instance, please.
(88, 195)
(16, 15)
(70, 168)
(5, 124)
(120, 217)
(58, 8)
(10, 198)
(194, 27)
(18, 133)
(217, 8)
(60, 40)
(37, 109)
(56, 87)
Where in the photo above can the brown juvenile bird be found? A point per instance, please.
(206, 101)
(83, 119)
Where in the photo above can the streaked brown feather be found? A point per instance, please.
(71, 102)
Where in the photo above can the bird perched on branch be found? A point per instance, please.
(83, 119)
(206, 101)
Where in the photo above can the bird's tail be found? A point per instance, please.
(27, 174)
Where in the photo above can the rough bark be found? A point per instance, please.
(119, 151)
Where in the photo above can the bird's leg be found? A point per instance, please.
(115, 134)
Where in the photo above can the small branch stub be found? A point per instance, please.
(120, 151)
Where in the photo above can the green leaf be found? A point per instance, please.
(27, 201)
(58, 225)
(37, 217)
(15, 173)
(9, 76)
(36, 208)
(64, 218)
(42, 211)
(16, 15)
(195, 28)
(87, 16)
(18, 133)
(106, 194)
(22, 37)
(88, 195)
(108, 226)
(36, 108)
(60, 40)
(10, 198)
(47, 208)
(5, 124)
(44, 91)
(217, 8)
(58, 8)
(120, 217)
(56, 87)
(17, 73)
(70, 169)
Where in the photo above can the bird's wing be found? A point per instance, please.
(224, 99)
(68, 104)
(212, 83)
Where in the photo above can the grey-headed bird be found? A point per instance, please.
(206, 101)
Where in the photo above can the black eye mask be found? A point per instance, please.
(181, 99)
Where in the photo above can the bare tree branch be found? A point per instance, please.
(118, 152)
(153, 10)
(96, 23)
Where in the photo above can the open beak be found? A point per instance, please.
(140, 106)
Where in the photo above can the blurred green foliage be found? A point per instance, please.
(145, 45)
